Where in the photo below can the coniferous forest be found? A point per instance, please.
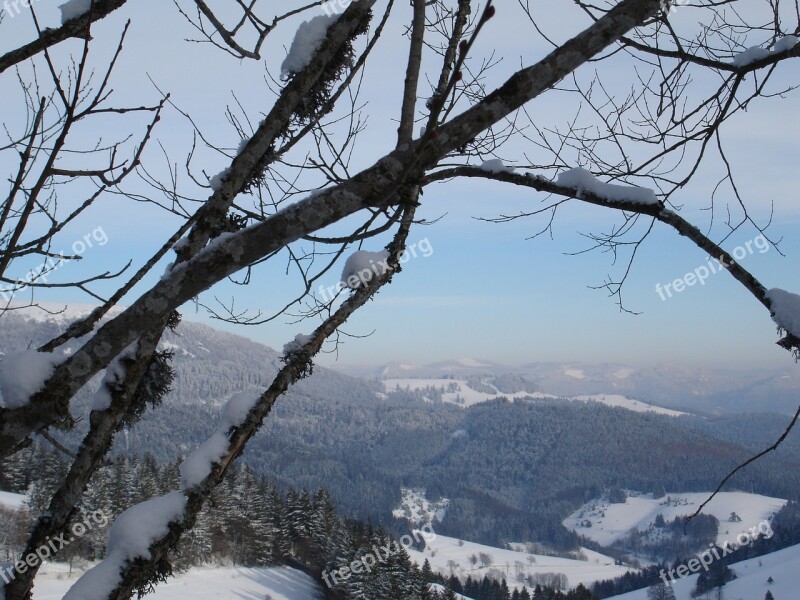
(248, 522)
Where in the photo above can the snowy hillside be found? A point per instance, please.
(449, 555)
(463, 393)
(751, 579)
(275, 583)
(610, 522)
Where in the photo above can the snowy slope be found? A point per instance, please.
(751, 582)
(276, 583)
(610, 522)
(441, 550)
(463, 395)
(9, 500)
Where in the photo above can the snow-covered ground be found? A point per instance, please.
(9, 500)
(449, 555)
(751, 579)
(610, 522)
(463, 395)
(211, 583)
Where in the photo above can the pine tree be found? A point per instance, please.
(768, 595)
(449, 594)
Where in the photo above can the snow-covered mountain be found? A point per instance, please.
(714, 391)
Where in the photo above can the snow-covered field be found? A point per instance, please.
(610, 522)
(449, 555)
(463, 395)
(615, 400)
(751, 581)
(212, 583)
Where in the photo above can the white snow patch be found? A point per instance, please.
(13, 501)
(73, 9)
(181, 244)
(785, 310)
(617, 401)
(575, 373)
(216, 181)
(749, 56)
(235, 411)
(307, 40)
(130, 538)
(584, 181)
(784, 44)
(298, 342)
(495, 165)
(196, 467)
(22, 374)
(757, 53)
(362, 266)
(115, 373)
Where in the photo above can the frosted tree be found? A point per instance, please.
(660, 591)
(289, 193)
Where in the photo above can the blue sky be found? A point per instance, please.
(486, 291)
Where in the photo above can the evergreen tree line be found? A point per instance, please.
(492, 589)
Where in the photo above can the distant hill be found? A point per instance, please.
(711, 391)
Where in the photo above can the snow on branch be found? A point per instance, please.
(756, 53)
(23, 374)
(115, 375)
(74, 9)
(307, 40)
(299, 342)
(362, 266)
(130, 538)
(496, 165)
(583, 181)
(199, 463)
(785, 310)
